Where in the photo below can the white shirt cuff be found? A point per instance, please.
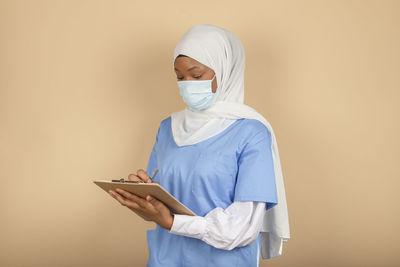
(191, 226)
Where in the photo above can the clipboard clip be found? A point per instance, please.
(122, 180)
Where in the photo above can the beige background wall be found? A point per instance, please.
(85, 84)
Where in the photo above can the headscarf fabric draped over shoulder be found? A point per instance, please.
(222, 51)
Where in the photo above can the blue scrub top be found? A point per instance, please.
(234, 165)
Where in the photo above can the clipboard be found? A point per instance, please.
(144, 189)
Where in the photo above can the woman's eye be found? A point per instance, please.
(196, 77)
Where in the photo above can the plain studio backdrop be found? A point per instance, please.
(85, 84)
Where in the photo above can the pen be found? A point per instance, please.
(153, 174)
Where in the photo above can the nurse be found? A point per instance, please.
(219, 157)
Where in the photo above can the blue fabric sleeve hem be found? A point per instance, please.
(269, 202)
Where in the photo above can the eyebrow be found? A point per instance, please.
(189, 69)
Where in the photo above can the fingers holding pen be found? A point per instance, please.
(133, 177)
(141, 176)
(144, 176)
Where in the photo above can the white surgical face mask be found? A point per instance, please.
(197, 94)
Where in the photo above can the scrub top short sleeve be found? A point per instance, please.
(256, 177)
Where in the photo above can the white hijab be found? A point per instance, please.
(223, 52)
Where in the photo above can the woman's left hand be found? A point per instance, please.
(150, 208)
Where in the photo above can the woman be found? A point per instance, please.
(218, 157)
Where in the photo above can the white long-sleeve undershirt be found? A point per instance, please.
(238, 225)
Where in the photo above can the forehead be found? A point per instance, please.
(183, 62)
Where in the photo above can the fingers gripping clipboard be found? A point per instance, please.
(144, 189)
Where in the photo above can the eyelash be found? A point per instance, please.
(196, 77)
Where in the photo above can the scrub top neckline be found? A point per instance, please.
(206, 140)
